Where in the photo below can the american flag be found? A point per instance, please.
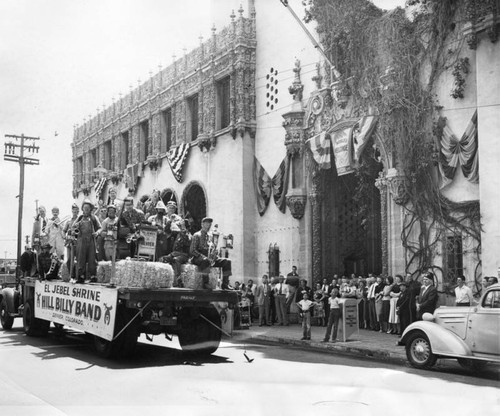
(362, 132)
(98, 188)
(262, 183)
(176, 158)
(321, 148)
(280, 184)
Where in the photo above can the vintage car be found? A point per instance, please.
(470, 334)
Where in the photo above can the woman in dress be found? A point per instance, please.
(393, 316)
(361, 295)
(386, 304)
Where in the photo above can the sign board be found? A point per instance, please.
(89, 308)
(147, 245)
(341, 141)
(349, 319)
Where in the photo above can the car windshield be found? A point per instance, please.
(492, 300)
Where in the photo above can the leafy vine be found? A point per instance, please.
(386, 54)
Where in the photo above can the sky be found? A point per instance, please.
(61, 61)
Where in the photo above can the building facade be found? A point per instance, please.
(237, 129)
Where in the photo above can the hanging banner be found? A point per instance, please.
(341, 140)
(89, 308)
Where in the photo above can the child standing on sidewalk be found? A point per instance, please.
(305, 306)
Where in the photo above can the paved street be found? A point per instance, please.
(62, 375)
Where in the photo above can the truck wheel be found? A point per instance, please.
(34, 327)
(124, 345)
(199, 336)
(419, 352)
(472, 365)
(6, 320)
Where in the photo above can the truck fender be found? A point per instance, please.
(10, 295)
(443, 342)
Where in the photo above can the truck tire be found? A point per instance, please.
(198, 336)
(33, 327)
(419, 351)
(125, 344)
(6, 320)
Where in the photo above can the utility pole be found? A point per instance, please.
(12, 156)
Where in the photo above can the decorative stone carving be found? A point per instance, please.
(296, 88)
(398, 186)
(294, 137)
(315, 198)
(318, 78)
(296, 201)
(341, 91)
(154, 161)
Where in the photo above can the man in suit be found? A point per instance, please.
(428, 297)
(263, 299)
(403, 307)
(414, 287)
(280, 296)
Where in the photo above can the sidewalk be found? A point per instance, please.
(364, 343)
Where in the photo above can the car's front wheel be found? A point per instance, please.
(419, 351)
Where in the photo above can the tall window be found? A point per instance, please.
(166, 130)
(192, 104)
(454, 258)
(79, 171)
(144, 140)
(223, 106)
(93, 161)
(124, 150)
(107, 155)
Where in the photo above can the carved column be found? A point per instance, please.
(315, 199)
(381, 184)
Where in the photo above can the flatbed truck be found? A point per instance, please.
(116, 315)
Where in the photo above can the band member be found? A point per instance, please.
(151, 204)
(109, 233)
(69, 236)
(47, 263)
(113, 200)
(88, 225)
(159, 220)
(39, 236)
(131, 218)
(171, 225)
(55, 233)
(204, 254)
(180, 252)
(27, 262)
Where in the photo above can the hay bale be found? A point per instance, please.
(192, 278)
(145, 274)
(104, 269)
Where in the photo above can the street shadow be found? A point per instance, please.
(443, 370)
(68, 343)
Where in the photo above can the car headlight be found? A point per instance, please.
(429, 317)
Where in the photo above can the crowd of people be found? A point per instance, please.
(113, 231)
(385, 304)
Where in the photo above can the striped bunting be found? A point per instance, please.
(321, 146)
(98, 188)
(262, 184)
(361, 133)
(176, 158)
(280, 184)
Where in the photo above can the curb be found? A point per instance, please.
(341, 348)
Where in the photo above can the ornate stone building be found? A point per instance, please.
(236, 129)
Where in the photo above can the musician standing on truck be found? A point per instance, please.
(131, 218)
(171, 228)
(68, 234)
(159, 220)
(39, 236)
(109, 233)
(55, 234)
(88, 225)
(199, 251)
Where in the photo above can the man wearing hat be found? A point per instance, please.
(55, 233)
(88, 226)
(171, 226)
(159, 220)
(27, 261)
(68, 235)
(428, 297)
(109, 233)
(180, 250)
(44, 260)
(131, 218)
(199, 251)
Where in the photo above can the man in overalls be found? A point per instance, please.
(88, 224)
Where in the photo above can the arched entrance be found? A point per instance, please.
(351, 219)
(194, 205)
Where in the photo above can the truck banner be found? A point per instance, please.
(88, 308)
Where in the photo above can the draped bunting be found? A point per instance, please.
(454, 153)
(321, 148)
(280, 184)
(98, 188)
(176, 158)
(348, 139)
(262, 184)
